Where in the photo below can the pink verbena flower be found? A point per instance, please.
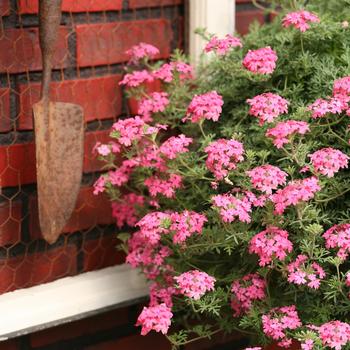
(272, 243)
(153, 225)
(278, 321)
(124, 211)
(129, 130)
(157, 102)
(322, 107)
(99, 185)
(232, 208)
(282, 131)
(308, 344)
(136, 78)
(300, 20)
(166, 187)
(223, 156)
(186, 224)
(246, 290)
(335, 334)
(255, 348)
(301, 271)
(267, 107)
(338, 236)
(146, 254)
(341, 87)
(175, 145)
(161, 294)
(194, 284)
(140, 51)
(295, 192)
(222, 46)
(328, 161)
(121, 175)
(267, 177)
(157, 318)
(206, 106)
(261, 61)
(168, 71)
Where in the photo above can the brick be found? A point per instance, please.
(84, 327)
(135, 342)
(41, 267)
(245, 18)
(17, 164)
(153, 3)
(100, 253)
(99, 44)
(31, 6)
(20, 51)
(10, 222)
(4, 7)
(90, 211)
(91, 163)
(101, 98)
(5, 121)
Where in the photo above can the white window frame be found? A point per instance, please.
(218, 16)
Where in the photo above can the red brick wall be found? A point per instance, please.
(88, 64)
(246, 13)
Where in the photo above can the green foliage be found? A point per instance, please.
(308, 63)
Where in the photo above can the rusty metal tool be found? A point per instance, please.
(59, 137)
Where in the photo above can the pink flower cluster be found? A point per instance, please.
(295, 192)
(261, 61)
(301, 272)
(223, 156)
(140, 51)
(129, 130)
(99, 185)
(106, 149)
(272, 243)
(175, 145)
(194, 284)
(157, 102)
(278, 321)
(322, 107)
(282, 131)
(267, 177)
(206, 106)
(338, 236)
(121, 175)
(300, 20)
(267, 107)
(246, 290)
(157, 318)
(124, 211)
(308, 344)
(186, 224)
(328, 161)
(160, 294)
(232, 208)
(222, 46)
(165, 186)
(168, 71)
(136, 78)
(341, 88)
(335, 334)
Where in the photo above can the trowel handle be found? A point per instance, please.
(49, 20)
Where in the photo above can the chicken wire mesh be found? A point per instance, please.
(87, 66)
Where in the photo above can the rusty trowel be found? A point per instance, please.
(59, 136)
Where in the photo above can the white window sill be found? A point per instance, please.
(28, 310)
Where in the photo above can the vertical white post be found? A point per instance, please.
(218, 16)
